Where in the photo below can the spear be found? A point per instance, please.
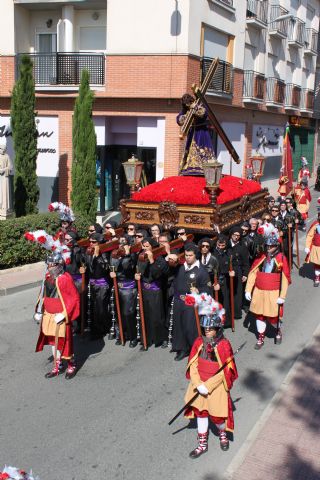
(197, 393)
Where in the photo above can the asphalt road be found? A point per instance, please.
(111, 420)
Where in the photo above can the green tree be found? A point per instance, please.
(83, 195)
(24, 133)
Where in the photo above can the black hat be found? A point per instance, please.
(98, 228)
(98, 237)
(152, 241)
(207, 240)
(235, 229)
(270, 198)
(191, 247)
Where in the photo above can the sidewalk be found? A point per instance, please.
(284, 444)
(21, 278)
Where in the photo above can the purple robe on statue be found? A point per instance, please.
(199, 147)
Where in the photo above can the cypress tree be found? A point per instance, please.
(24, 133)
(83, 195)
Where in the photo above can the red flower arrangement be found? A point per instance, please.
(191, 190)
(190, 300)
(42, 239)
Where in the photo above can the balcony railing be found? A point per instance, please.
(62, 68)
(307, 100)
(253, 86)
(222, 79)
(275, 91)
(311, 41)
(293, 95)
(296, 33)
(257, 12)
(278, 28)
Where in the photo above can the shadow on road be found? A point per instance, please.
(84, 348)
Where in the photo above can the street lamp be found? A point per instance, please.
(257, 163)
(212, 172)
(133, 170)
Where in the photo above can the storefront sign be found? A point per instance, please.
(299, 121)
(48, 143)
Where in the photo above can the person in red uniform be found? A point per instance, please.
(58, 305)
(302, 198)
(66, 218)
(267, 284)
(312, 248)
(209, 352)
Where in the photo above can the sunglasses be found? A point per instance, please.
(130, 228)
(139, 236)
(91, 231)
(275, 210)
(93, 241)
(205, 246)
(181, 233)
(108, 226)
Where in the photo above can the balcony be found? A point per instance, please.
(278, 28)
(307, 100)
(275, 92)
(311, 41)
(253, 87)
(64, 69)
(257, 13)
(292, 98)
(296, 34)
(226, 4)
(221, 84)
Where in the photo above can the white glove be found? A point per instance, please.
(248, 296)
(37, 317)
(59, 317)
(203, 389)
(307, 250)
(280, 301)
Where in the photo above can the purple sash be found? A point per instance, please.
(77, 277)
(153, 286)
(99, 282)
(127, 284)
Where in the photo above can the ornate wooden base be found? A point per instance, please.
(196, 218)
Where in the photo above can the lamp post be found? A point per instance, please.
(257, 163)
(212, 172)
(133, 170)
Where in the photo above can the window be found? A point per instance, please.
(215, 43)
(92, 38)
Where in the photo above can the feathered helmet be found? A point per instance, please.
(304, 161)
(270, 234)
(59, 253)
(13, 473)
(211, 312)
(318, 206)
(65, 213)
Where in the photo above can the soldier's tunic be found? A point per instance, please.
(264, 280)
(202, 366)
(302, 199)
(313, 243)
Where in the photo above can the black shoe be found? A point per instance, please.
(118, 341)
(71, 372)
(164, 344)
(180, 356)
(133, 343)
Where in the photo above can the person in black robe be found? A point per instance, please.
(153, 275)
(207, 259)
(189, 277)
(239, 260)
(220, 253)
(97, 265)
(124, 266)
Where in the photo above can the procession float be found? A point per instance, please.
(200, 199)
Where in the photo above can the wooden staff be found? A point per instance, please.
(231, 295)
(116, 293)
(278, 337)
(196, 313)
(215, 283)
(290, 246)
(297, 245)
(82, 299)
(143, 325)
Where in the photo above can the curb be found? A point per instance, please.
(22, 268)
(19, 288)
(239, 458)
